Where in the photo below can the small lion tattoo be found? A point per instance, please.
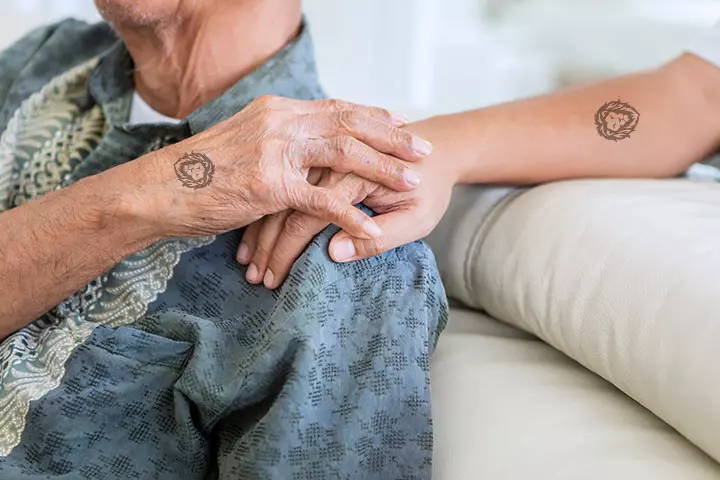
(194, 170)
(616, 120)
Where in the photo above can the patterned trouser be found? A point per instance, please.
(325, 378)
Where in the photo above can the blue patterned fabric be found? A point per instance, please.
(326, 377)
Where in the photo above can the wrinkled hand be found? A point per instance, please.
(256, 163)
(271, 245)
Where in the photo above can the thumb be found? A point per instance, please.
(399, 227)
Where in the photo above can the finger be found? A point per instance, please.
(300, 228)
(379, 135)
(269, 233)
(333, 207)
(334, 105)
(248, 242)
(345, 154)
(400, 227)
(298, 231)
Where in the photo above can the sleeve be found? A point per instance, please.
(707, 45)
(16, 57)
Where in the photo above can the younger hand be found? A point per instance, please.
(271, 245)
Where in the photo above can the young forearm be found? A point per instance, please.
(52, 246)
(554, 137)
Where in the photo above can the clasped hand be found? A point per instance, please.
(257, 163)
(271, 245)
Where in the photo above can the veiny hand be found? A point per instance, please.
(271, 245)
(256, 163)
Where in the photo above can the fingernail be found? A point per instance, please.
(252, 274)
(423, 147)
(269, 278)
(412, 177)
(399, 119)
(344, 250)
(372, 229)
(243, 255)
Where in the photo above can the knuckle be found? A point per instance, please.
(383, 113)
(305, 200)
(289, 152)
(346, 146)
(399, 138)
(269, 114)
(274, 218)
(347, 120)
(297, 226)
(250, 234)
(335, 105)
(326, 203)
(387, 167)
(297, 198)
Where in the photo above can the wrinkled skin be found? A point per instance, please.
(272, 244)
(262, 157)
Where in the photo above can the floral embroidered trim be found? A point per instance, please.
(47, 137)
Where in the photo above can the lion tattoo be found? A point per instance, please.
(616, 120)
(194, 170)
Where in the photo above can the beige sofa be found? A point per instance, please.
(587, 345)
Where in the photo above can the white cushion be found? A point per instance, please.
(507, 406)
(622, 276)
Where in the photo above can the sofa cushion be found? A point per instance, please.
(507, 406)
(622, 276)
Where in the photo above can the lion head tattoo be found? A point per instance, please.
(616, 120)
(194, 170)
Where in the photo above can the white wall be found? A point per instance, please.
(429, 56)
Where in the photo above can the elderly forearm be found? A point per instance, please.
(52, 246)
(555, 136)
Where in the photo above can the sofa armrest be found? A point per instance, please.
(621, 275)
(458, 235)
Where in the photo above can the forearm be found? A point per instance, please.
(554, 137)
(52, 246)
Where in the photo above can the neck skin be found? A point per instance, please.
(184, 63)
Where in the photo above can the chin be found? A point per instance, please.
(139, 13)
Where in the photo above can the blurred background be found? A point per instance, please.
(433, 56)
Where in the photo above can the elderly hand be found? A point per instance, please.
(256, 163)
(271, 245)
